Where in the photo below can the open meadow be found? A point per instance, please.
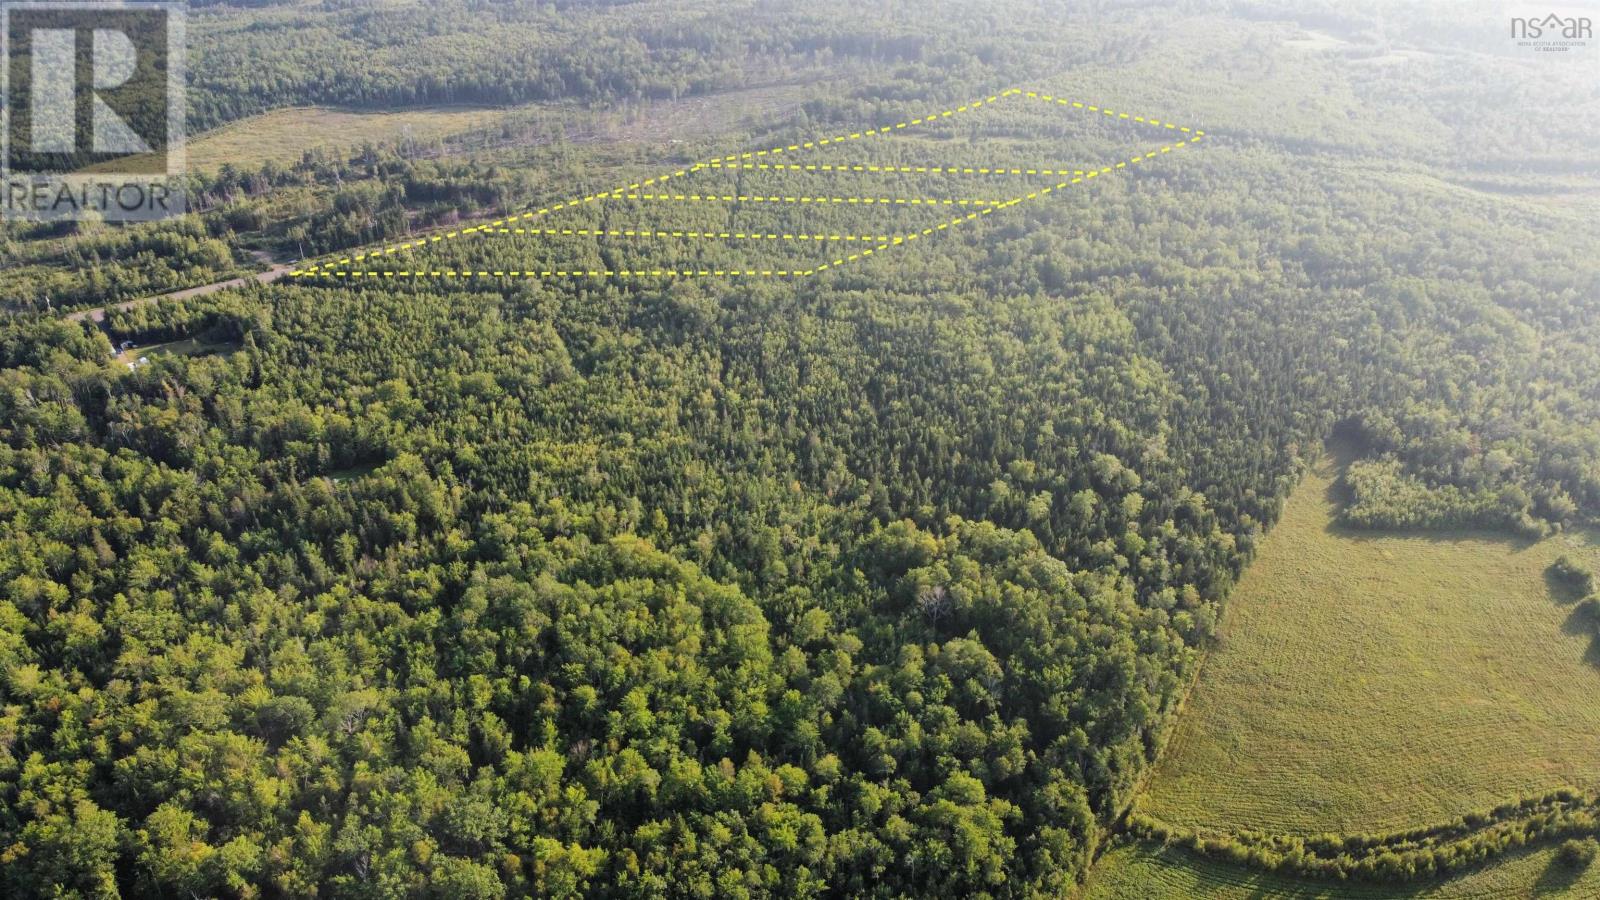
(281, 136)
(1372, 681)
(1367, 682)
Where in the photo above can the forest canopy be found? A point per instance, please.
(886, 582)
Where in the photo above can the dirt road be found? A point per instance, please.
(98, 315)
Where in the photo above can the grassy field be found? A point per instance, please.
(283, 134)
(186, 347)
(1369, 682)
(1150, 873)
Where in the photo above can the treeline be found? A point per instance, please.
(101, 264)
(1383, 495)
(325, 201)
(419, 622)
(248, 61)
(250, 58)
(1498, 458)
(1417, 854)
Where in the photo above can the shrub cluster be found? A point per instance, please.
(1574, 575)
(1577, 853)
(1413, 854)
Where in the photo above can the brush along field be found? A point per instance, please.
(1374, 681)
(1369, 682)
(1146, 872)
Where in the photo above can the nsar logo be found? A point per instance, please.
(1552, 33)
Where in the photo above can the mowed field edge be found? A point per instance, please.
(1375, 681)
(1148, 872)
(1371, 681)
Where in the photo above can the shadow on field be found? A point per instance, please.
(1557, 878)
(1561, 591)
(1580, 621)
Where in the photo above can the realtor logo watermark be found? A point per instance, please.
(92, 125)
(1553, 32)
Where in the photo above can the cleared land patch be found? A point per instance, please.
(1146, 872)
(282, 135)
(1369, 682)
(184, 347)
(725, 182)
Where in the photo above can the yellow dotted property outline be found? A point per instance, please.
(706, 235)
(756, 198)
(496, 226)
(561, 273)
(893, 170)
(1035, 195)
(780, 273)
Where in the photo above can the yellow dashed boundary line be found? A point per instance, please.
(737, 158)
(706, 235)
(488, 227)
(871, 132)
(1063, 101)
(1042, 192)
(752, 198)
(574, 273)
(388, 251)
(893, 170)
(885, 244)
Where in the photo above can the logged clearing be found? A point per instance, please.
(1369, 682)
(1148, 873)
(185, 347)
(282, 135)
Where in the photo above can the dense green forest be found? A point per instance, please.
(885, 582)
